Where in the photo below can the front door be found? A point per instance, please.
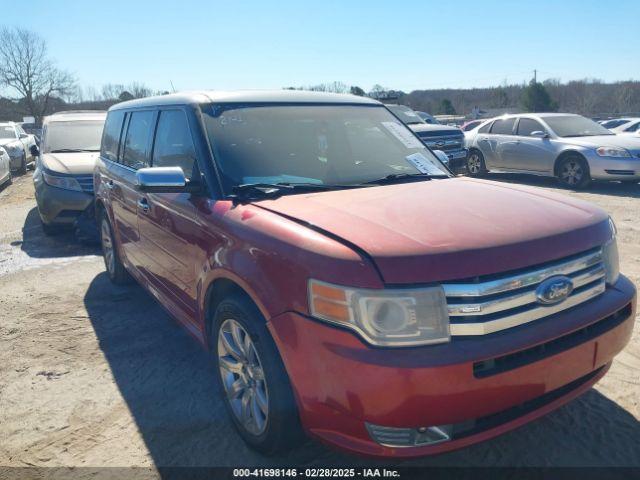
(533, 153)
(168, 222)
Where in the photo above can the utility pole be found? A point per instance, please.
(535, 76)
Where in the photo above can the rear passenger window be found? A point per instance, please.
(111, 137)
(136, 144)
(503, 126)
(174, 145)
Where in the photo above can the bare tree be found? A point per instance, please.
(26, 69)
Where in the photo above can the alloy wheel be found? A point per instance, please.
(572, 173)
(107, 247)
(243, 377)
(474, 164)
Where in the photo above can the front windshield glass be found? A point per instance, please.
(7, 132)
(404, 113)
(575, 126)
(320, 144)
(80, 135)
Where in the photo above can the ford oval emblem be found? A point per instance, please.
(554, 290)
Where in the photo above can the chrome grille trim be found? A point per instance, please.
(86, 182)
(523, 279)
(494, 305)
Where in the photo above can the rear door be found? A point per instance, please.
(499, 137)
(134, 154)
(170, 234)
(532, 153)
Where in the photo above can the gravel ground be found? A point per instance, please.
(96, 375)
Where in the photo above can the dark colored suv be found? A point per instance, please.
(335, 270)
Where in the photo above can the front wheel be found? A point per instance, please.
(475, 163)
(252, 378)
(573, 172)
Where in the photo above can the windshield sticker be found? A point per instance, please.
(424, 164)
(403, 134)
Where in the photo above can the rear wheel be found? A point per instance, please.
(573, 172)
(115, 269)
(475, 163)
(252, 378)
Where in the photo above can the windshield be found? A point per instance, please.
(81, 135)
(408, 116)
(575, 126)
(7, 132)
(321, 144)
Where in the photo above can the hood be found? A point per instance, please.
(624, 141)
(427, 127)
(450, 229)
(7, 141)
(79, 163)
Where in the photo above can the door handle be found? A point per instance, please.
(143, 205)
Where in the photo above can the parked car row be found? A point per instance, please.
(17, 143)
(319, 248)
(570, 147)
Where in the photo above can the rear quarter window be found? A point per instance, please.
(111, 137)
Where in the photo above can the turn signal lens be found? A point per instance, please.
(398, 317)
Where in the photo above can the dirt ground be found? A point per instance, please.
(97, 375)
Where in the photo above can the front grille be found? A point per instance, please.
(487, 305)
(442, 140)
(86, 182)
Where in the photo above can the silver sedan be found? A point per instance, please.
(570, 147)
(5, 168)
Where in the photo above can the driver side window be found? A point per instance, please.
(173, 144)
(527, 125)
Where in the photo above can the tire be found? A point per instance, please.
(251, 373)
(112, 262)
(10, 179)
(573, 172)
(50, 230)
(22, 170)
(475, 164)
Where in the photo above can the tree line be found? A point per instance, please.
(36, 87)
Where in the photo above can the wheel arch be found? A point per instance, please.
(219, 289)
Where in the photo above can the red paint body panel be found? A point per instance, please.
(413, 233)
(451, 229)
(345, 383)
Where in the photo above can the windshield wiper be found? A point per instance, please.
(394, 177)
(256, 191)
(73, 150)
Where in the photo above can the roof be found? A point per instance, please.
(75, 115)
(246, 96)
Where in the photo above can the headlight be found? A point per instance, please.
(613, 152)
(610, 257)
(391, 318)
(12, 149)
(59, 181)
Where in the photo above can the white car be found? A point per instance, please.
(630, 126)
(18, 145)
(5, 168)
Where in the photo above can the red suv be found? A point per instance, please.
(345, 283)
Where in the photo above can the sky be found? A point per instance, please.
(400, 45)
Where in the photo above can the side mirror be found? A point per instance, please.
(34, 150)
(539, 134)
(442, 156)
(161, 180)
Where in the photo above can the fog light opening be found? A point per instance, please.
(409, 437)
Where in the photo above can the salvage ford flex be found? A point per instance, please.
(345, 283)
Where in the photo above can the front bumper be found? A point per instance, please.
(58, 206)
(15, 160)
(604, 168)
(340, 383)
